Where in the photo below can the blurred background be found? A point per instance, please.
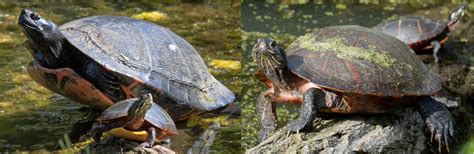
(285, 20)
(34, 119)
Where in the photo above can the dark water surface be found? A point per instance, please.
(32, 118)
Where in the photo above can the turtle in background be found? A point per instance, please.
(420, 33)
(100, 60)
(347, 69)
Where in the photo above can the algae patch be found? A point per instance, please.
(154, 16)
(342, 50)
(225, 64)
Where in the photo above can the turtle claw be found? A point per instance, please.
(144, 145)
(264, 134)
(441, 127)
(295, 126)
(95, 144)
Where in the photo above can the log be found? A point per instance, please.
(399, 132)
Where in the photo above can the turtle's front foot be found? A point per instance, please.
(145, 145)
(441, 127)
(267, 115)
(311, 99)
(439, 121)
(97, 132)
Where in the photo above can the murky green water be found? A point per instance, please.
(33, 118)
(284, 21)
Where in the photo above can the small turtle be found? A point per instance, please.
(347, 69)
(420, 33)
(137, 114)
(99, 60)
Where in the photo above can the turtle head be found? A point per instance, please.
(43, 35)
(267, 54)
(272, 61)
(456, 16)
(140, 106)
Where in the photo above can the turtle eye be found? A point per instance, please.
(273, 44)
(35, 16)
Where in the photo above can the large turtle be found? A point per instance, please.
(99, 60)
(137, 114)
(421, 33)
(347, 69)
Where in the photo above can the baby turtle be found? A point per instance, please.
(347, 69)
(100, 60)
(137, 114)
(420, 33)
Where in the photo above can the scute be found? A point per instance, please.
(141, 50)
(360, 60)
(159, 117)
(117, 110)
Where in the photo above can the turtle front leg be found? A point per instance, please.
(100, 129)
(267, 115)
(150, 140)
(438, 119)
(436, 46)
(313, 98)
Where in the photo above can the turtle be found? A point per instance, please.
(420, 33)
(100, 60)
(346, 69)
(136, 114)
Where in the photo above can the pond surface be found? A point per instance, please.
(32, 118)
(287, 20)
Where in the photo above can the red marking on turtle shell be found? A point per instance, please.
(74, 87)
(356, 76)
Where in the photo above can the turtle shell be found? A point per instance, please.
(148, 54)
(360, 60)
(156, 115)
(415, 31)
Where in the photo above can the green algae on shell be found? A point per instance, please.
(343, 50)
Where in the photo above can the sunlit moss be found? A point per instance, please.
(225, 64)
(341, 6)
(154, 16)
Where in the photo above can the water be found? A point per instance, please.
(285, 21)
(33, 118)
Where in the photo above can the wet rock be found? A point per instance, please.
(115, 145)
(205, 141)
(402, 131)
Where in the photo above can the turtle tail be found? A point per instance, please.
(456, 16)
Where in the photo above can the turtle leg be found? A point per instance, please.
(150, 140)
(267, 115)
(103, 80)
(313, 99)
(436, 46)
(438, 119)
(100, 129)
